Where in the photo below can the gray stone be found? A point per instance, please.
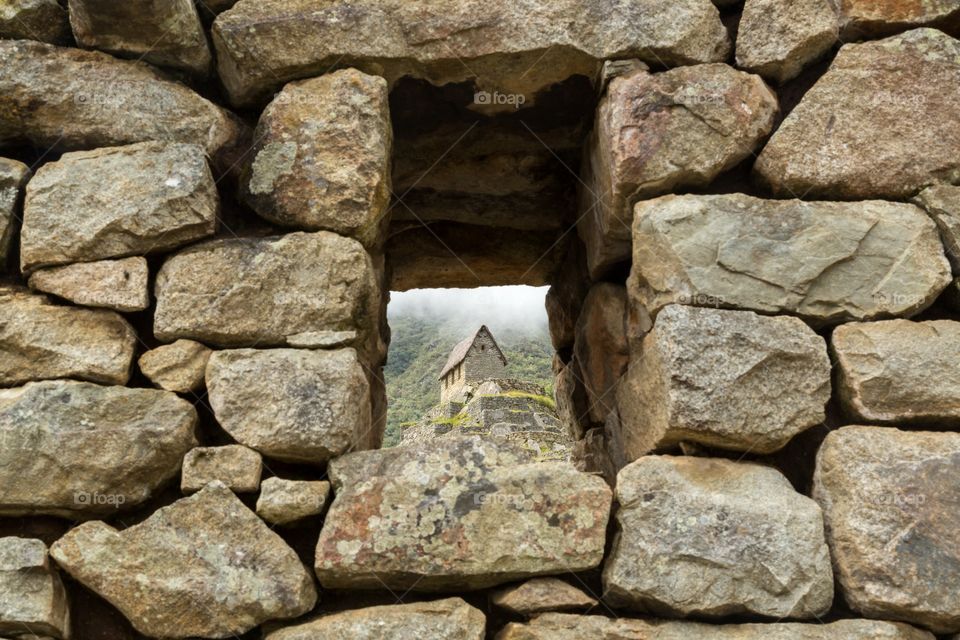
(291, 404)
(827, 262)
(120, 285)
(286, 501)
(142, 198)
(179, 366)
(32, 597)
(80, 450)
(889, 500)
(877, 125)
(541, 595)
(322, 158)
(13, 177)
(41, 340)
(167, 34)
(601, 346)
(236, 466)
(204, 566)
(899, 372)
(778, 38)
(457, 513)
(450, 619)
(714, 538)
(43, 20)
(513, 49)
(942, 202)
(729, 379)
(658, 132)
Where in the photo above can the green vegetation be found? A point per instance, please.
(545, 401)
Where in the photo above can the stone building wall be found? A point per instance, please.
(483, 361)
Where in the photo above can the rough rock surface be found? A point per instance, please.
(204, 566)
(824, 261)
(450, 619)
(571, 400)
(565, 626)
(860, 18)
(712, 538)
(43, 20)
(942, 202)
(32, 598)
(285, 501)
(512, 48)
(142, 198)
(540, 595)
(40, 340)
(167, 34)
(80, 450)
(457, 513)
(601, 346)
(729, 379)
(86, 99)
(120, 285)
(778, 38)
(291, 404)
(874, 125)
(13, 176)
(179, 366)
(322, 158)
(236, 466)
(266, 291)
(658, 132)
(889, 500)
(899, 372)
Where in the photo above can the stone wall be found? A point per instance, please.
(748, 215)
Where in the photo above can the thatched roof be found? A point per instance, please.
(463, 347)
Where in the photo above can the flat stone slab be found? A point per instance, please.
(236, 466)
(889, 501)
(120, 285)
(287, 501)
(32, 597)
(457, 513)
(541, 595)
(867, 18)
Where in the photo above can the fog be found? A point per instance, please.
(515, 307)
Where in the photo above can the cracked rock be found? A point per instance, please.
(32, 597)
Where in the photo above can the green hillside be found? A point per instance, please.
(420, 345)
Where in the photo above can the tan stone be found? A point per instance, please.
(713, 538)
(509, 48)
(874, 126)
(571, 400)
(450, 619)
(236, 466)
(889, 501)
(658, 132)
(291, 404)
(41, 340)
(869, 18)
(322, 157)
(167, 34)
(179, 366)
(120, 285)
(32, 597)
(13, 177)
(942, 202)
(203, 566)
(729, 379)
(778, 38)
(80, 450)
(899, 372)
(457, 513)
(43, 20)
(142, 198)
(827, 262)
(601, 346)
(288, 501)
(540, 595)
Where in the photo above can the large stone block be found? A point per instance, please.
(513, 48)
(85, 99)
(120, 285)
(827, 262)
(658, 132)
(80, 450)
(601, 346)
(889, 500)
(269, 292)
(322, 157)
(899, 372)
(457, 513)
(450, 619)
(729, 379)
(778, 38)
(13, 177)
(713, 538)
(868, 18)
(41, 340)
(43, 20)
(291, 404)
(876, 125)
(204, 566)
(32, 597)
(120, 201)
